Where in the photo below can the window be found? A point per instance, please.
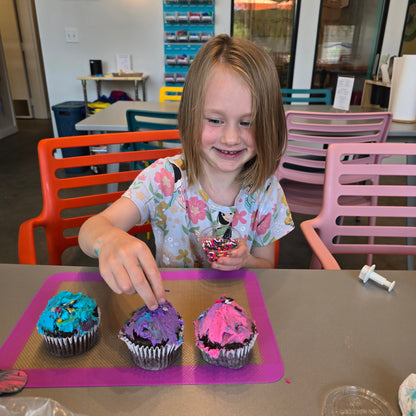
(409, 34)
(349, 38)
(271, 25)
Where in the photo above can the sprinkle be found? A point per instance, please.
(59, 320)
(218, 247)
(288, 381)
(165, 308)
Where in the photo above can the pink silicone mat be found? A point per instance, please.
(265, 366)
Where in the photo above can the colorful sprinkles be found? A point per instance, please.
(68, 313)
(218, 247)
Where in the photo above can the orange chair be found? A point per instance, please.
(69, 199)
(65, 195)
(276, 254)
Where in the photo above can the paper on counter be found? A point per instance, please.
(343, 93)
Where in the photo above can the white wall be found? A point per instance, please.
(108, 27)
(13, 52)
(394, 26)
(105, 28)
(305, 47)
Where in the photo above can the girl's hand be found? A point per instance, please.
(235, 260)
(240, 257)
(128, 266)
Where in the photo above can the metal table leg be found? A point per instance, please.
(113, 167)
(98, 89)
(84, 90)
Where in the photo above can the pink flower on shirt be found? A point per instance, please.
(261, 225)
(196, 209)
(239, 216)
(165, 180)
(264, 224)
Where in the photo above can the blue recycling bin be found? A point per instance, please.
(67, 114)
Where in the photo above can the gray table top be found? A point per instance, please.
(330, 328)
(113, 118)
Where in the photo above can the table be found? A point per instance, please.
(113, 118)
(330, 328)
(137, 80)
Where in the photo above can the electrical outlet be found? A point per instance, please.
(71, 34)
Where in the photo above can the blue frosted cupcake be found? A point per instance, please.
(69, 324)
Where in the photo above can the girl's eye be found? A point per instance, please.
(213, 121)
(245, 124)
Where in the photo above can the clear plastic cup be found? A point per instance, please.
(219, 241)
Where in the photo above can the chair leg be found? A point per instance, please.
(315, 263)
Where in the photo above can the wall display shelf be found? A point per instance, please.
(187, 25)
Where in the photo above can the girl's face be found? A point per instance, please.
(227, 141)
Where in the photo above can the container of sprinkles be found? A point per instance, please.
(218, 241)
(69, 324)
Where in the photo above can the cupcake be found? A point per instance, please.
(225, 334)
(154, 338)
(69, 324)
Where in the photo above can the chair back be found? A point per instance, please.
(302, 167)
(170, 94)
(386, 227)
(70, 199)
(307, 96)
(151, 120)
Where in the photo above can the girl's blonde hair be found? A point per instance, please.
(268, 118)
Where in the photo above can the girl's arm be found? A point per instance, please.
(126, 263)
(240, 257)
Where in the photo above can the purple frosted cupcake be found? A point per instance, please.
(154, 338)
(225, 334)
(69, 324)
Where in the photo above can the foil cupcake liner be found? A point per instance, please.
(236, 358)
(153, 358)
(74, 345)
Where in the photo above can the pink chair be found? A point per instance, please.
(301, 169)
(383, 228)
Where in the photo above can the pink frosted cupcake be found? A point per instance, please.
(225, 334)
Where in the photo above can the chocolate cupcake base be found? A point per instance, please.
(233, 358)
(70, 346)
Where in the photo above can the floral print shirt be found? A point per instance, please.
(179, 212)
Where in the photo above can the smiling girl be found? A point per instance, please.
(233, 132)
